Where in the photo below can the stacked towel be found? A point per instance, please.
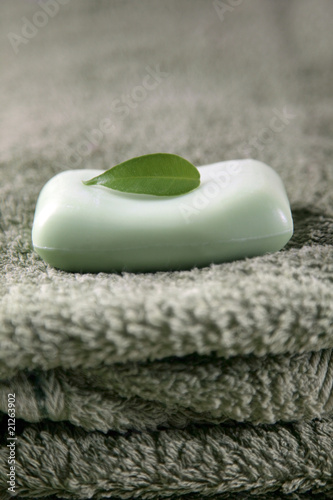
(209, 383)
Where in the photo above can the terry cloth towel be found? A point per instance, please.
(209, 383)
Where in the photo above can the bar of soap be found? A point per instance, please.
(239, 210)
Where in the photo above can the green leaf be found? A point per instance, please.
(159, 174)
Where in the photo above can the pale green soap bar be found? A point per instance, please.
(239, 210)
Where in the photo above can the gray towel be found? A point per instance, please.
(209, 383)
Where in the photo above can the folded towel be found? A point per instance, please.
(209, 383)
